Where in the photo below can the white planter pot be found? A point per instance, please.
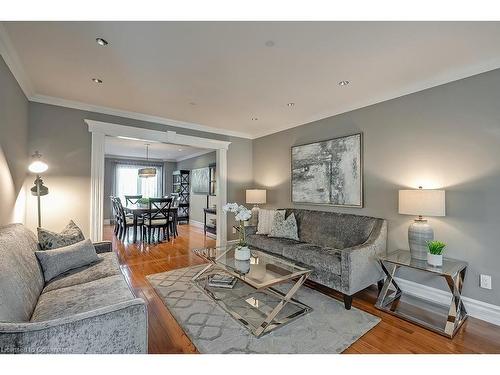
(242, 253)
(435, 260)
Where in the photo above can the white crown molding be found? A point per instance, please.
(203, 152)
(12, 60)
(477, 309)
(44, 99)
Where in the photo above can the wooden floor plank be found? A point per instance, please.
(391, 335)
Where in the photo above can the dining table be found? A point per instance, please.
(138, 210)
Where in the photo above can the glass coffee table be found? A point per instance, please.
(262, 297)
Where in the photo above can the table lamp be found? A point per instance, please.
(38, 166)
(255, 197)
(421, 202)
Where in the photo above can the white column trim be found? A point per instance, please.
(97, 186)
(221, 160)
(100, 130)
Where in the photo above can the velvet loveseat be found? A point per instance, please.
(341, 248)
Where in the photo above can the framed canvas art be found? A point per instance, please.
(329, 172)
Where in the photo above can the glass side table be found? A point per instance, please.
(443, 319)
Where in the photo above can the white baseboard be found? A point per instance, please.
(201, 225)
(477, 309)
(196, 223)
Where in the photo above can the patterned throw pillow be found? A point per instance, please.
(52, 240)
(284, 228)
(266, 219)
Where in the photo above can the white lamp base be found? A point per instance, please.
(419, 233)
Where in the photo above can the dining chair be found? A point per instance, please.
(132, 199)
(157, 218)
(126, 222)
(174, 214)
(115, 213)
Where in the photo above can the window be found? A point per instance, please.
(127, 181)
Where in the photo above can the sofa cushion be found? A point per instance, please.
(320, 258)
(265, 221)
(81, 298)
(332, 229)
(21, 278)
(284, 228)
(57, 261)
(52, 240)
(271, 244)
(105, 267)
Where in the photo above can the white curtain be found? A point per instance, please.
(127, 182)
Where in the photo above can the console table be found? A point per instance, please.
(445, 320)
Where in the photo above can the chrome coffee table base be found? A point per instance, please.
(258, 310)
(445, 320)
(262, 298)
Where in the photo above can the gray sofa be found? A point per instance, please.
(86, 310)
(341, 248)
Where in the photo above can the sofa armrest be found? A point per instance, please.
(118, 328)
(103, 247)
(360, 267)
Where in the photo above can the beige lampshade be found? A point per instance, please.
(425, 202)
(256, 196)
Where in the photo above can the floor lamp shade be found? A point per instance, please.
(421, 202)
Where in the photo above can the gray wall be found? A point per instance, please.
(14, 153)
(445, 137)
(63, 137)
(197, 202)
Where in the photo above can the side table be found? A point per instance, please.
(445, 320)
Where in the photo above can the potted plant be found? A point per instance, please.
(435, 254)
(242, 214)
(143, 202)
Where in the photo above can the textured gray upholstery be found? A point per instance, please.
(107, 266)
(340, 248)
(85, 310)
(21, 278)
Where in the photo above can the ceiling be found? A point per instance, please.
(237, 77)
(130, 148)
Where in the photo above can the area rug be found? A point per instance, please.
(329, 328)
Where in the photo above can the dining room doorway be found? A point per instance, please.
(131, 149)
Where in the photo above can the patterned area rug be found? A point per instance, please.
(329, 328)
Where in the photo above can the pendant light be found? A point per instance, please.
(149, 171)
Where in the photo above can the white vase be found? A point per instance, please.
(435, 260)
(242, 253)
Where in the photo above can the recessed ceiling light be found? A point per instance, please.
(179, 149)
(290, 105)
(254, 118)
(269, 43)
(343, 83)
(102, 42)
(96, 80)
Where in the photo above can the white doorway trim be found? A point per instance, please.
(100, 130)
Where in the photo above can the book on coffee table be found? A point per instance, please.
(221, 281)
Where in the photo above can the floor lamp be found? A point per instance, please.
(38, 166)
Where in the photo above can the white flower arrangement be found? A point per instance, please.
(242, 214)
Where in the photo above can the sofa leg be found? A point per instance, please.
(347, 302)
(380, 285)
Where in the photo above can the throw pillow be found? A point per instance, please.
(266, 219)
(284, 228)
(58, 261)
(52, 240)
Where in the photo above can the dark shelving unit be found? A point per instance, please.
(180, 186)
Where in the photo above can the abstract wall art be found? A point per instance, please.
(329, 172)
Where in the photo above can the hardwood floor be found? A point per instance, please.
(391, 335)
